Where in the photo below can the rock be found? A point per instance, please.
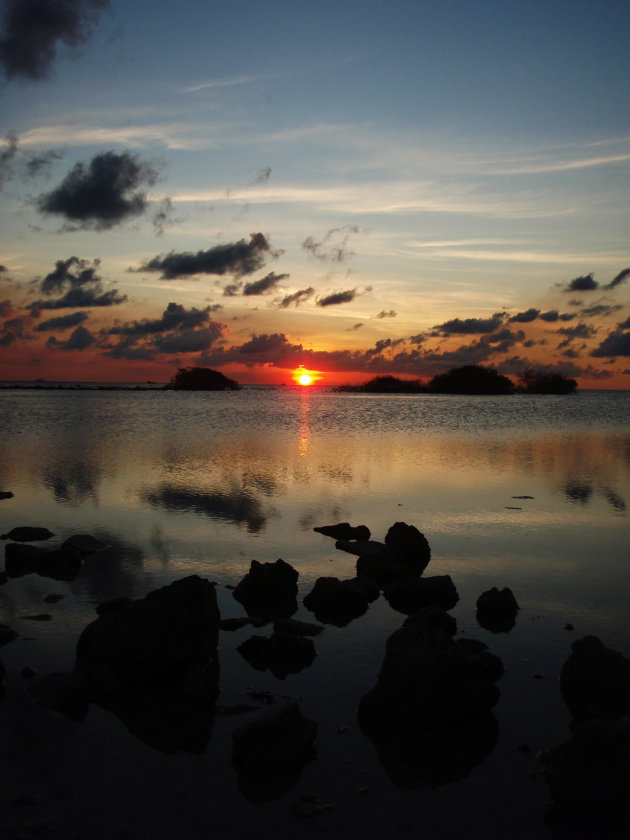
(28, 534)
(409, 546)
(65, 693)
(38, 617)
(270, 751)
(281, 653)
(268, 590)
(84, 544)
(363, 548)
(496, 610)
(595, 681)
(337, 602)
(4, 578)
(163, 643)
(591, 772)
(382, 568)
(234, 623)
(435, 617)
(344, 531)
(298, 628)
(113, 605)
(52, 598)
(58, 564)
(429, 681)
(7, 634)
(5, 494)
(409, 595)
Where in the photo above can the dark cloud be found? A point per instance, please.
(582, 284)
(82, 284)
(265, 284)
(6, 309)
(80, 339)
(189, 340)
(333, 247)
(581, 330)
(601, 309)
(354, 328)
(624, 325)
(7, 155)
(36, 164)
(238, 258)
(471, 326)
(384, 314)
(175, 316)
(13, 163)
(163, 216)
(64, 322)
(15, 327)
(32, 31)
(525, 317)
(296, 298)
(616, 343)
(623, 275)
(232, 289)
(3, 269)
(102, 194)
(338, 297)
(263, 176)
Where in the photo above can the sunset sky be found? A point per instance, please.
(359, 188)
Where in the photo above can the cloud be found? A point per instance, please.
(333, 247)
(623, 275)
(238, 258)
(525, 317)
(265, 284)
(29, 166)
(354, 328)
(33, 29)
(7, 155)
(384, 314)
(582, 284)
(296, 298)
(175, 316)
(84, 287)
(581, 330)
(338, 297)
(64, 322)
(80, 339)
(616, 343)
(553, 315)
(103, 193)
(471, 326)
(263, 176)
(601, 309)
(15, 325)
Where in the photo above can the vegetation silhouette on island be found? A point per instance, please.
(469, 379)
(201, 379)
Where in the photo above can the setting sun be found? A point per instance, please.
(305, 379)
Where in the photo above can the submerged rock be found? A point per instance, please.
(58, 564)
(28, 534)
(298, 628)
(6, 494)
(7, 634)
(405, 553)
(497, 609)
(344, 531)
(337, 602)
(270, 751)
(595, 681)
(281, 653)
(85, 544)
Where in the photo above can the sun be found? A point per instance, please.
(305, 379)
(303, 376)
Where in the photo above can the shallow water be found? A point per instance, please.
(182, 483)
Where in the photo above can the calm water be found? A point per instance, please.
(181, 483)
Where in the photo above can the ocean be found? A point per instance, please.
(529, 492)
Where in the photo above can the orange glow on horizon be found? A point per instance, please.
(305, 377)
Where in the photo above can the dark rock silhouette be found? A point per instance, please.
(408, 546)
(427, 680)
(589, 778)
(299, 628)
(269, 752)
(65, 693)
(86, 544)
(5, 494)
(497, 609)
(471, 379)
(433, 616)
(344, 531)
(404, 553)
(338, 602)
(281, 653)
(595, 681)
(201, 379)
(166, 642)
(7, 634)
(26, 533)
(59, 564)
(410, 594)
(268, 590)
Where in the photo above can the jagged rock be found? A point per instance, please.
(337, 602)
(591, 772)
(58, 564)
(435, 617)
(497, 609)
(410, 594)
(270, 751)
(7, 634)
(268, 590)
(595, 680)
(409, 546)
(26, 533)
(165, 642)
(344, 531)
(298, 628)
(281, 653)
(429, 681)
(363, 548)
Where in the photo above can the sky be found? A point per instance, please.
(350, 188)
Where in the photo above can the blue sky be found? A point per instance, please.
(414, 169)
